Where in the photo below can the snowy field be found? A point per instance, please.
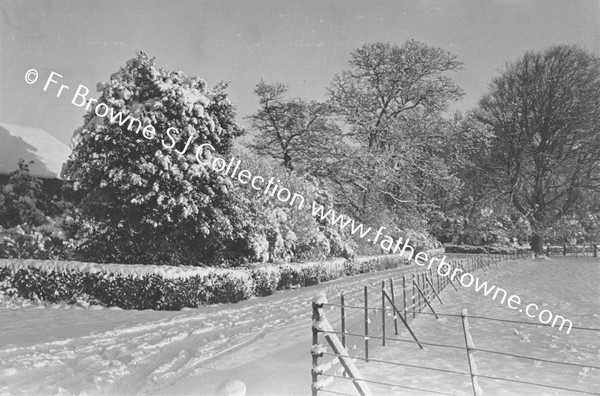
(569, 287)
(265, 342)
(70, 350)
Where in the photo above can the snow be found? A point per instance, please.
(22, 142)
(133, 270)
(568, 287)
(266, 342)
(320, 299)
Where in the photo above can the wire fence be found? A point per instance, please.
(572, 250)
(375, 315)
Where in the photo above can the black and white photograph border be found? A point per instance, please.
(277, 197)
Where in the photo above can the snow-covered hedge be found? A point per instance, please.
(166, 287)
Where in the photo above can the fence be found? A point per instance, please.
(575, 250)
(399, 300)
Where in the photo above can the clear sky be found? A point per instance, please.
(302, 43)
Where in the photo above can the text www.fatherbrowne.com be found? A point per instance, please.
(273, 189)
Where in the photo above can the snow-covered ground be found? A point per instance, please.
(569, 287)
(65, 349)
(265, 342)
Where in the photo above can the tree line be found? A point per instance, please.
(523, 166)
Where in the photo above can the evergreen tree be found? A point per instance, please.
(148, 197)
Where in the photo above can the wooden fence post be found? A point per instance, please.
(422, 284)
(314, 352)
(470, 346)
(433, 290)
(343, 321)
(564, 249)
(404, 296)
(383, 312)
(417, 295)
(366, 325)
(403, 321)
(427, 301)
(343, 318)
(414, 297)
(394, 301)
(321, 324)
(595, 250)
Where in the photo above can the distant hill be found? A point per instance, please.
(35, 144)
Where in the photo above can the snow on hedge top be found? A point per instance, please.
(128, 270)
(165, 271)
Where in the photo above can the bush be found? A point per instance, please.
(288, 278)
(293, 234)
(23, 200)
(52, 240)
(126, 287)
(266, 281)
(468, 249)
(149, 199)
(229, 287)
(128, 292)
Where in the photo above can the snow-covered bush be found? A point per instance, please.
(289, 277)
(151, 201)
(266, 280)
(32, 225)
(290, 233)
(23, 242)
(22, 199)
(127, 291)
(55, 239)
(169, 287)
(230, 287)
(50, 286)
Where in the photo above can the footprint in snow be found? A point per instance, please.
(522, 335)
(584, 372)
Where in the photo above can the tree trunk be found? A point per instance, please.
(287, 161)
(537, 244)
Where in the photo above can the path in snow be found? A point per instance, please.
(265, 342)
(64, 349)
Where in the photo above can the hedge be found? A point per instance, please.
(169, 288)
(478, 249)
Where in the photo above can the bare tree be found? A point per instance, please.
(544, 110)
(285, 127)
(391, 99)
(386, 81)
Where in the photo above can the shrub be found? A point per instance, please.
(50, 286)
(151, 201)
(468, 249)
(128, 292)
(266, 281)
(22, 199)
(127, 287)
(293, 234)
(51, 240)
(228, 287)
(289, 277)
